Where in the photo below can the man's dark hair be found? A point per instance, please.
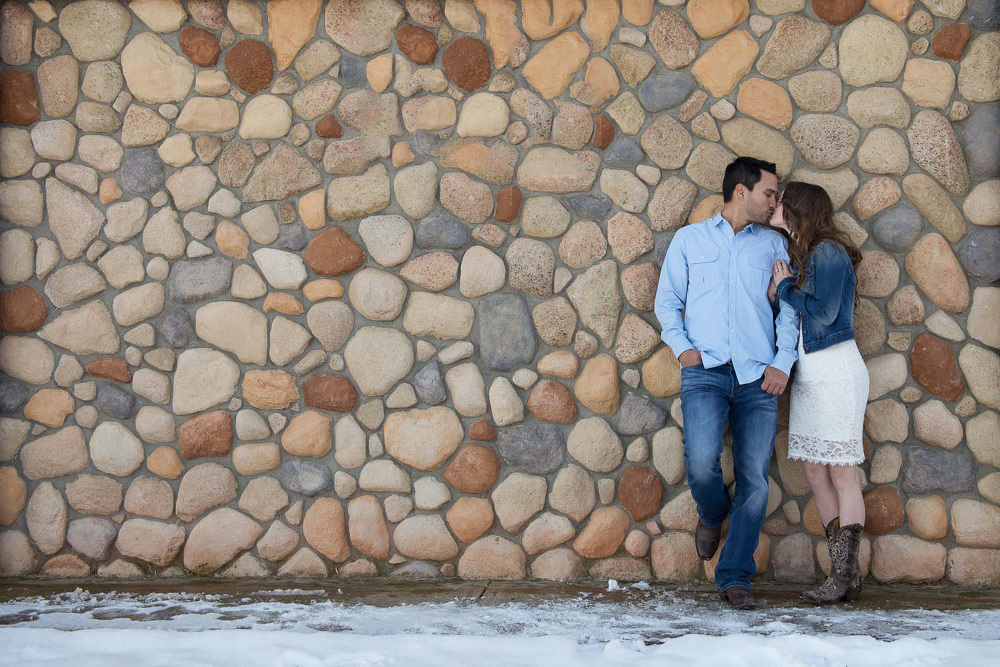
(744, 171)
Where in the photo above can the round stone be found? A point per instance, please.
(872, 49)
(417, 44)
(95, 30)
(981, 254)
(897, 229)
(249, 65)
(884, 152)
(837, 11)
(825, 141)
(467, 63)
(977, 80)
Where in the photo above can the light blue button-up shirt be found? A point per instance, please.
(712, 297)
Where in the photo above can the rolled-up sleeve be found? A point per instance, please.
(671, 293)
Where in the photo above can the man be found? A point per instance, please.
(712, 304)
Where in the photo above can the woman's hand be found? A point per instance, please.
(772, 290)
(781, 271)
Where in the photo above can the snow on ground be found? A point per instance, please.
(634, 626)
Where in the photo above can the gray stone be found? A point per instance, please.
(306, 477)
(590, 207)
(929, 470)
(984, 14)
(429, 385)
(624, 151)
(114, 401)
(200, 279)
(13, 395)
(291, 237)
(639, 414)
(665, 91)
(980, 255)
(176, 327)
(91, 537)
(442, 231)
(980, 135)
(353, 71)
(897, 229)
(141, 172)
(506, 333)
(535, 448)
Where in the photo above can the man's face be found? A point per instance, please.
(760, 202)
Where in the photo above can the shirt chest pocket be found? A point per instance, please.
(757, 269)
(706, 269)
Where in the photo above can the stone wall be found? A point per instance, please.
(366, 288)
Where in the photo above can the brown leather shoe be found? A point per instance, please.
(739, 598)
(706, 540)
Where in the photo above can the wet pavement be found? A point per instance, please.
(592, 612)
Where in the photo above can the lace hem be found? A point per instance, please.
(837, 464)
(825, 452)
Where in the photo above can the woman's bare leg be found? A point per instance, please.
(824, 492)
(848, 490)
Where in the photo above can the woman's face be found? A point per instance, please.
(778, 218)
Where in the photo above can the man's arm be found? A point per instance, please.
(671, 293)
(787, 334)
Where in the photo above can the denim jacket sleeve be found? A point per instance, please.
(830, 265)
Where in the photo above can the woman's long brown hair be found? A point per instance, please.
(809, 213)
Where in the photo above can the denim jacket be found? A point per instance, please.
(826, 299)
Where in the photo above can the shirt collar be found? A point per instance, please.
(717, 220)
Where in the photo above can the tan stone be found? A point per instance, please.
(597, 386)
(765, 101)
(927, 517)
(603, 534)
(727, 61)
(904, 558)
(936, 271)
(551, 69)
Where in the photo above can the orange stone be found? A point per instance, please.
(308, 434)
(333, 252)
(508, 204)
(49, 407)
(113, 368)
(327, 391)
(269, 390)
(640, 492)
(604, 132)
(552, 402)
(883, 510)
(727, 61)
(482, 430)
(470, 517)
(283, 303)
(109, 191)
(933, 367)
(207, 434)
(603, 534)
(22, 309)
(474, 469)
(165, 462)
(324, 288)
(711, 18)
(232, 240)
(765, 101)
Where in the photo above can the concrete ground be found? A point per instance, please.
(593, 611)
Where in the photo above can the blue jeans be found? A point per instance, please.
(711, 398)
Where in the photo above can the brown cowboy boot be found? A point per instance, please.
(844, 582)
(831, 531)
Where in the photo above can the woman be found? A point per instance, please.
(830, 391)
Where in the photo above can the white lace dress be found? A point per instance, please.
(829, 395)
